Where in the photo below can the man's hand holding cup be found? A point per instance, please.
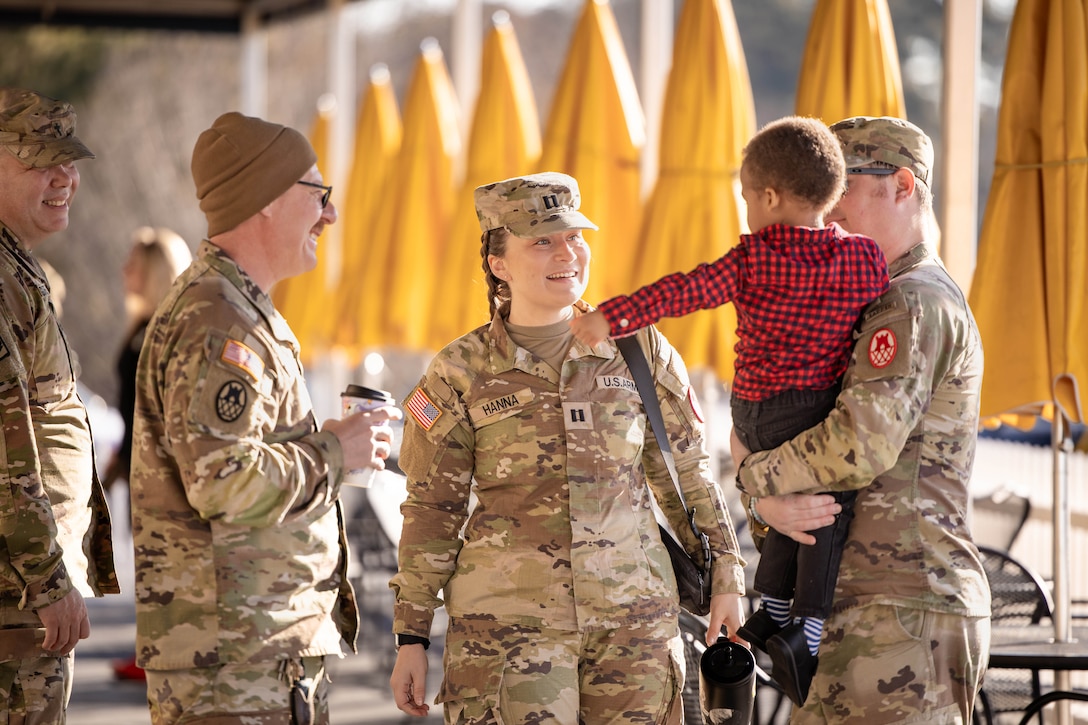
(364, 432)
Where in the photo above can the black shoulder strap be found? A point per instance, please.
(640, 369)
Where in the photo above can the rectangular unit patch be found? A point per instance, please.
(606, 382)
(422, 409)
(241, 356)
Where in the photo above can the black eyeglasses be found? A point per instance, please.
(873, 170)
(325, 196)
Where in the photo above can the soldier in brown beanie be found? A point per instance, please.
(54, 525)
(241, 587)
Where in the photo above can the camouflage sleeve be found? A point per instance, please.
(885, 392)
(684, 426)
(239, 462)
(30, 562)
(437, 457)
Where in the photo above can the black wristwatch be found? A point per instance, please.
(402, 639)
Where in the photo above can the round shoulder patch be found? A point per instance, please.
(230, 402)
(882, 348)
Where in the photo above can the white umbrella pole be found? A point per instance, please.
(1061, 443)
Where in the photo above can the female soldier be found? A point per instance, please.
(562, 603)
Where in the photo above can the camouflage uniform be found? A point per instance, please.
(240, 546)
(560, 562)
(55, 524)
(903, 434)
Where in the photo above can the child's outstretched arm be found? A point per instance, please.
(590, 328)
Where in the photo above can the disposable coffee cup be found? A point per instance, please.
(357, 399)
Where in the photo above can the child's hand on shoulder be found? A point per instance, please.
(590, 328)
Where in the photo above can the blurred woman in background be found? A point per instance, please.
(157, 257)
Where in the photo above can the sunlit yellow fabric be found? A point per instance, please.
(1028, 292)
(416, 206)
(302, 299)
(695, 213)
(595, 133)
(364, 291)
(851, 65)
(504, 142)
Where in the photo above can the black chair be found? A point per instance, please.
(1002, 515)
(1019, 598)
(693, 632)
(1036, 708)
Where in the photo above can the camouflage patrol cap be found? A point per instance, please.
(39, 130)
(531, 205)
(868, 139)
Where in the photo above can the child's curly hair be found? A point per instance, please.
(800, 157)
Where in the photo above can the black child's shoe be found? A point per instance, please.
(758, 628)
(792, 664)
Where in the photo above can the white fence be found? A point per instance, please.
(1027, 470)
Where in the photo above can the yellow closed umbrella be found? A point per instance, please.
(694, 212)
(851, 65)
(415, 214)
(504, 142)
(378, 133)
(1029, 292)
(595, 133)
(305, 300)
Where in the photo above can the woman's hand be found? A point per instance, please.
(792, 514)
(725, 610)
(795, 514)
(409, 680)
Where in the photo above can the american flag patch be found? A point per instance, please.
(422, 409)
(241, 356)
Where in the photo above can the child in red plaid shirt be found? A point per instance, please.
(798, 287)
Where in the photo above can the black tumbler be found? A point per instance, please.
(727, 684)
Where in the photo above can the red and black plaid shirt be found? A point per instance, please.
(798, 292)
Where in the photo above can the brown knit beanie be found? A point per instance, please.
(241, 164)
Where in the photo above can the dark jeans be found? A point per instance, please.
(788, 570)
